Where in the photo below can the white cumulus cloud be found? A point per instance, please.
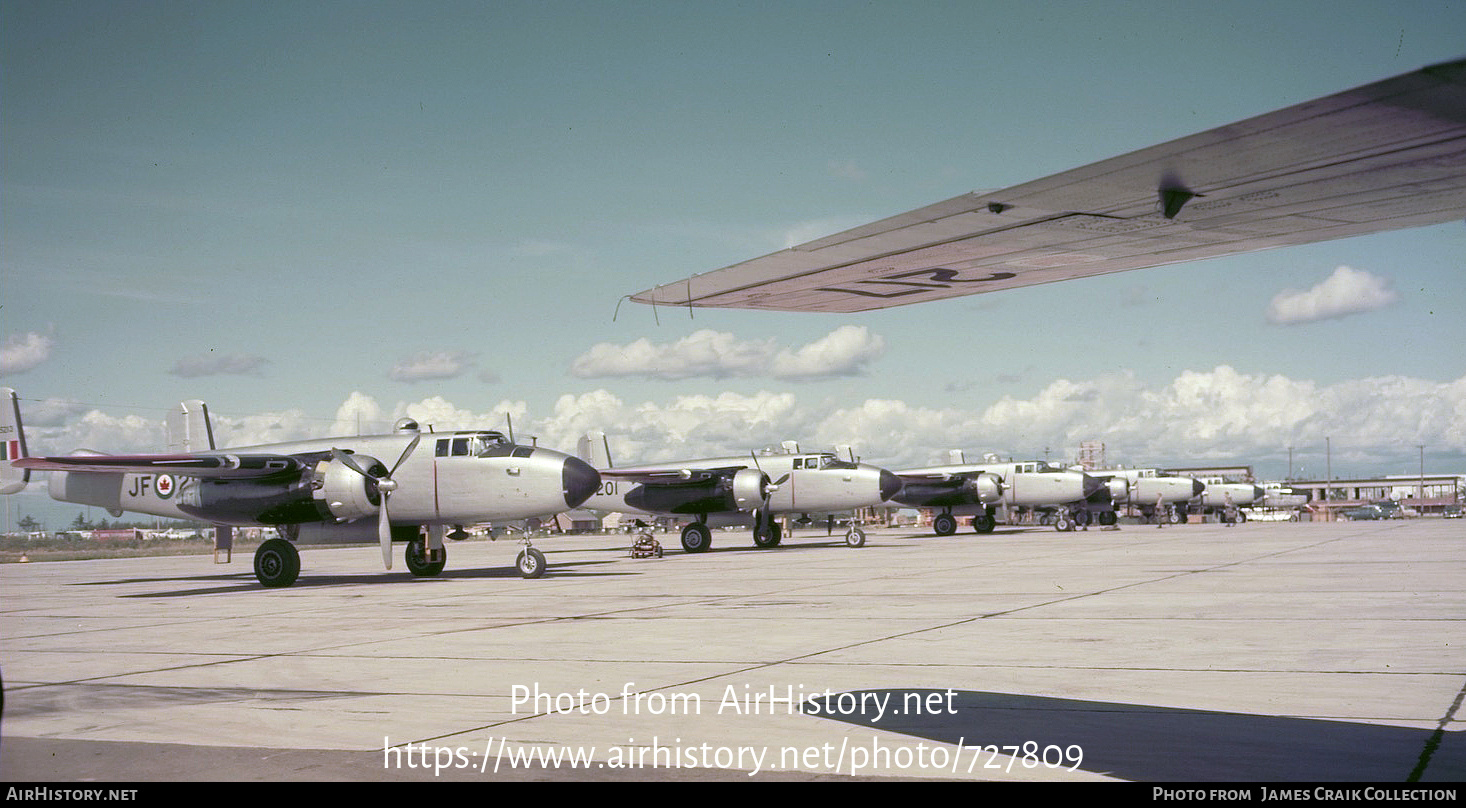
(22, 352)
(1347, 291)
(846, 351)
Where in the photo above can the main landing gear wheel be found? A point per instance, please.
(531, 563)
(696, 538)
(982, 523)
(277, 563)
(1107, 518)
(944, 524)
(1062, 522)
(766, 536)
(855, 537)
(417, 559)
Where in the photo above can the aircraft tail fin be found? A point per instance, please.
(594, 449)
(189, 428)
(12, 444)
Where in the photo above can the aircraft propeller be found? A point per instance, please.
(385, 486)
(761, 517)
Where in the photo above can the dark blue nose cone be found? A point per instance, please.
(580, 481)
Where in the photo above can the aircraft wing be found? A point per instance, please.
(669, 476)
(221, 466)
(1384, 156)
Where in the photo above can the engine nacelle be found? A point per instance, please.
(740, 493)
(983, 489)
(747, 488)
(1119, 489)
(346, 494)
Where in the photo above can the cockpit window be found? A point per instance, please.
(480, 444)
(829, 461)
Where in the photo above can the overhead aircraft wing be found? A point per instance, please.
(221, 466)
(1385, 156)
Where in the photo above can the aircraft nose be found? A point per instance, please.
(1197, 486)
(579, 480)
(890, 485)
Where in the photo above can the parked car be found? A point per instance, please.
(1371, 511)
(1452, 512)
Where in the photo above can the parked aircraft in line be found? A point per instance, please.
(1214, 496)
(978, 488)
(328, 488)
(1384, 156)
(747, 489)
(1144, 486)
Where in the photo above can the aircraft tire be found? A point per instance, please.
(767, 536)
(1107, 518)
(531, 563)
(855, 537)
(982, 523)
(696, 538)
(417, 563)
(944, 524)
(1063, 523)
(277, 563)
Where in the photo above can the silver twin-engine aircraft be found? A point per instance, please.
(979, 488)
(739, 490)
(1384, 156)
(331, 489)
(1158, 496)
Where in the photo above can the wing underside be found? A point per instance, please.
(1385, 156)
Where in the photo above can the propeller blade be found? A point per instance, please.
(384, 532)
(347, 461)
(405, 452)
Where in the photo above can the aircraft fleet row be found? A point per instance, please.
(333, 490)
(1385, 156)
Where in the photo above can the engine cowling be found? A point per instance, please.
(346, 494)
(984, 489)
(747, 488)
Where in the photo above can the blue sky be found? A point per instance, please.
(311, 213)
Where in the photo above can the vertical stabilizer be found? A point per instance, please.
(189, 429)
(594, 449)
(12, 444)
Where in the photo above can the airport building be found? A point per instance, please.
(1427, 494)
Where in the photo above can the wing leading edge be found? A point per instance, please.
(223, 466)
(1384, 156)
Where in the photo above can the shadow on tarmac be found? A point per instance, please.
(1144, 743)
